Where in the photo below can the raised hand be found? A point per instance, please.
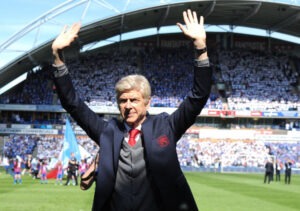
(194, 29)
(64, 39)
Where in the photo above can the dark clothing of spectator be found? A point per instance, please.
(269, 172)
(288, 172)
(72, 170)
(278, 171)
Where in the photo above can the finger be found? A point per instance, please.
(190, 16)
(201, 20)
(182, 28)
(64, 29)
(185, 18)
(195, 17)
(75, 28)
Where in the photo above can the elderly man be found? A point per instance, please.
(139, 167)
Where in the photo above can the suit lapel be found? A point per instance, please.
(147, 133)
(118, 139)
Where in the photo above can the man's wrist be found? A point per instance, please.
(200, 51)
(202, 62)
(60, 71)
(58, 56)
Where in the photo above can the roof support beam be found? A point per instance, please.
(39, 21)
(121, 26)
(252, 12)
(163, 19)
(107, 5)
(286, 22)
(209, 9)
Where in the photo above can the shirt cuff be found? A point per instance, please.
(201, 63)
(60, 71)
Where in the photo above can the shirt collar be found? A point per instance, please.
(128, 128)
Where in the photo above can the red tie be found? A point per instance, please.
(132, 134)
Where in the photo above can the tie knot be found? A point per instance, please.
(133, 133)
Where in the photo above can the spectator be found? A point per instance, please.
(288, 172)
(269, 171)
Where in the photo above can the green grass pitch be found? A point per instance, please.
(212, 191)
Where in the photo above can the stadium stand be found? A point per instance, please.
(253, 81)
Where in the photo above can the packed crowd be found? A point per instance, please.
(44, 146)
(169, 75)
(259, 81)
(191, 151)
(232, 152)
(20, 145)
(254, 80)
(37, 90)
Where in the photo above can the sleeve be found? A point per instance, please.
(196, 99)
(87, 119)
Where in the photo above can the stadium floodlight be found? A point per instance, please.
(13, 83)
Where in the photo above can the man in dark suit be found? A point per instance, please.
(269, 171)
(278, 170)
(288, 172)
(140, 173)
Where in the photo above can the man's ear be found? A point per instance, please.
(148, 104)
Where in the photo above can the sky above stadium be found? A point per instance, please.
(26, 24)
(18, 16)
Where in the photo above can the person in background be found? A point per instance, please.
(5, 162)
(269, 171)
(17, 171)
(43, 172)
(139, 167)
(34, 168)
(59, 175)
(288, 172)
(28, 160)
(72, 170)
(278, 170)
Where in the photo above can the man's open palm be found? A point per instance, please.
(66, 37)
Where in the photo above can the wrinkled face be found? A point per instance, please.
(133, 107)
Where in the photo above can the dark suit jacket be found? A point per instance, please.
(160, 134)
(269, 167)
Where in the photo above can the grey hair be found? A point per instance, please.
(134, 82)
